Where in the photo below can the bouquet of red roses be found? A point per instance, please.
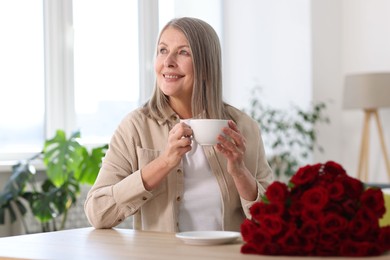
(322, 212)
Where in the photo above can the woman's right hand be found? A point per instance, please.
(179, 143)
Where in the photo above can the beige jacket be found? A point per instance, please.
(119, 192)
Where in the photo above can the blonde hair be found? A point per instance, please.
(205, 47)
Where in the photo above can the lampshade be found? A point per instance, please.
(367, 91)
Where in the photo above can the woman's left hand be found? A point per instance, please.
(233, 146)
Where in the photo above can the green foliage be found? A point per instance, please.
(290, 135)
(68, 165)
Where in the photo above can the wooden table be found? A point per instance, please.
(113, 244)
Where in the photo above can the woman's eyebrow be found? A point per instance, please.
(180, 46)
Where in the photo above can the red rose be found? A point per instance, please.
(333, 223)
(334, 207)
(257, 210)
(273, 209)
(268, 249)
(315, 198)
(336, 191)
(350, 207)
(364, 225)
(370, 248)
(249, 248)
(277, 192)
(311, 214)
(384, 238)
(322, 212)
(260, 236)
(262, 209)
(356, 248)
(325, 251)
(309, 230)
(273, 224)
(353, 187)
(334, 169)
(305, 175)
(263, 249)
(328, 242)
(307, 245)
(290, 243)
(373, 199)
(350, 248)
(295, 209)
(248, 228)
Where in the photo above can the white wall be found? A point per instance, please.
(366, 41)
(327, 75)
(350, 36)
(268, 45)
(299, 51)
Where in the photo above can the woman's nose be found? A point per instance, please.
(170, 61)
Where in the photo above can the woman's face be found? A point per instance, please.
(173, 66)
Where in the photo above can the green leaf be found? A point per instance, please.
(14, 188)
(61, 157)
(22, 209)
(12, 214)
(2, 216)
(90, 166)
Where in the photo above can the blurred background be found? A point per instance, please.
(84, 64)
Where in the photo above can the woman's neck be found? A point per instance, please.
(182, 108)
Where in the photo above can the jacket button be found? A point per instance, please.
(144, 198)
(178, 198)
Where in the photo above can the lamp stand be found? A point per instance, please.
(365, 143)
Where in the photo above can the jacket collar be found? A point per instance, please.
(170, 118)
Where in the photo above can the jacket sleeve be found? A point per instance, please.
(258, 165)
(118, 191)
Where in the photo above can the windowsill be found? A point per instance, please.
(6, 166)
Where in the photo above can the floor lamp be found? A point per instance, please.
(368, 92)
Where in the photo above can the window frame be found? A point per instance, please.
(59, 66)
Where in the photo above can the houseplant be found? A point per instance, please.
(289, 135)
(68, 165)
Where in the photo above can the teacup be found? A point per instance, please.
(206, 131)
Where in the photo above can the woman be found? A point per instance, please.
(156, 172)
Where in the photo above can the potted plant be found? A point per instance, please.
(68, 165)
(289, 135)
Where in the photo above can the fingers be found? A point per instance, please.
(233, 138)
(232, 144)
(180, 130)
(180, 137)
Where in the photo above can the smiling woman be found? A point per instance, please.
(73, 67)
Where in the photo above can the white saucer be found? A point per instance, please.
(208, 237)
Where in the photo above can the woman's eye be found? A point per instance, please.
(162, 50)
(184, 52)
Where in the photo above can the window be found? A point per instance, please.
(106, 75)
(22, 77)
(90, 51)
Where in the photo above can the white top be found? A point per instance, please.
(201, 207)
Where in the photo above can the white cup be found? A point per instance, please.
(206, 131)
